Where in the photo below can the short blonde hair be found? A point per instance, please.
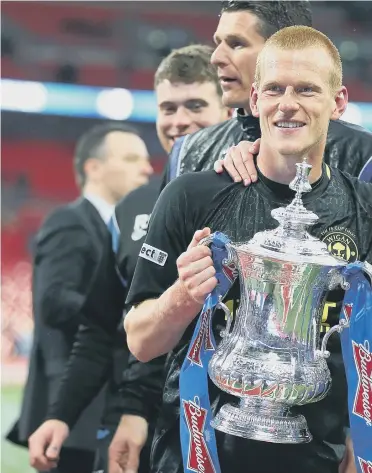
(302, 37)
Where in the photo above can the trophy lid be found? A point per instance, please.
(290, 241)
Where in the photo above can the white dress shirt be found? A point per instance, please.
(105, 209)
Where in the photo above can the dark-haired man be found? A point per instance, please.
(188, 94)
(73, 274)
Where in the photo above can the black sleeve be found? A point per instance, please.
(183, 207)
(85, 374)
(349, 147)
(142, 388)
(60, 264)
(89, 368)
(132, 215)
(170, 232)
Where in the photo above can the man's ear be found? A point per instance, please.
(92, 168)
(341, 101)
(253, 101)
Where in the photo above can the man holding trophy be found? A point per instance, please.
(290, 418)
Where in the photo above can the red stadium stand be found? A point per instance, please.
(358, 91)
(67, 23)
(141, 79)
(99, 76)
(202, 26)
(100, 32)
(48, 166)
(11, 70)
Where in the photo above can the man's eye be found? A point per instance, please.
(306, 90)
(195, 107)
(169, 110)
(274, 88)
(131, 159)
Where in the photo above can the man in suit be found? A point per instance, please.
(74, 270)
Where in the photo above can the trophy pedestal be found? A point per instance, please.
(262, 420)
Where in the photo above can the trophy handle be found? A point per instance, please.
(229, 317)
(338, 279)
(324, 353)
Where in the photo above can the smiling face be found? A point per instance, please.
(237, 46)
(186, 108)
(295, 101)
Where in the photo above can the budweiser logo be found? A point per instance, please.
(199, 459)
(366, 466)
(203, 336)
(347, 309)
(363, 398)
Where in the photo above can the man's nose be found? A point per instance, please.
(182, 118)
(147, 168)
(288, 101)
(219, 56)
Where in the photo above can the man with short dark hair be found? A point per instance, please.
(294, 97)
(73, 274)
(188, 94)
(113, 159)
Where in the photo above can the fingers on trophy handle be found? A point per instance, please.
(206, 241)
(229, 317)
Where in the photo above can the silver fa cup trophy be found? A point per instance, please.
(273, 359)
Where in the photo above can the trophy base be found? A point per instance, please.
(261, 420)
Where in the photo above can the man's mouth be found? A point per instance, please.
(225, 80)
(289, 124)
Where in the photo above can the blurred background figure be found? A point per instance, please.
(69, 66)
(73, 272)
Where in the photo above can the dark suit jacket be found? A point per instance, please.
(73, 270)
(100, 354)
